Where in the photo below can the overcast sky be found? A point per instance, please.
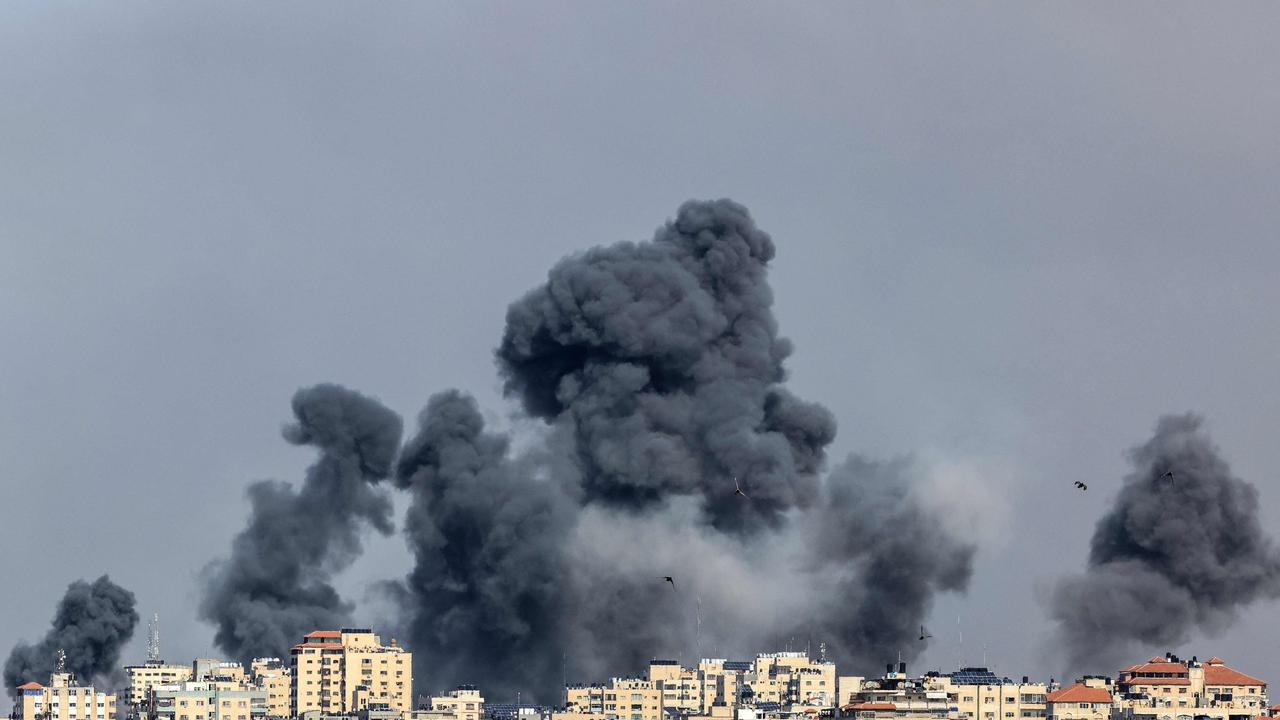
(1008, 240)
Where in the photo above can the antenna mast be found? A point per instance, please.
(153, 639)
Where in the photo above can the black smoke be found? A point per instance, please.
(92, 623)
(1173, 554)
(657, 368)
(664, 358)
(275, 586)
(485, 598)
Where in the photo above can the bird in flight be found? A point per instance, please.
(737, 489)
(924, 635)
(669, 579)
(1168, 474)
(1081, 485)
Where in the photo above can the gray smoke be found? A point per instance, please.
(665, 360)
(275, 585)
(889, 556)
(1172, 554)
(658, 369)
(484, 597)
(92, 623)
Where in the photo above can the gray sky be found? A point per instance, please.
(1007, 240)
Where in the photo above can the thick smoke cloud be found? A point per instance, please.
(1173, 554)
(92, 623)
(275, 586)
(485, 594)
(658, 369)
(665, 359)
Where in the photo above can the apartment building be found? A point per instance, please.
(63, 699)
(207, 700)
(274, 678)
(1169, 688)
(461, 703)
(344, 671)
(1090, 698)
(791, 678)
(143, 677)
(972, 693)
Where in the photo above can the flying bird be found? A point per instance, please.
(737, 489)
(1168, 474)
(1081, 485)
(924, 635)
(669, 579)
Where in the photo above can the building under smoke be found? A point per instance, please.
(92, 623)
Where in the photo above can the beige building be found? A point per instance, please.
(1088, 699)
(206, 701)
(1168, 688)
(343, 671)
(230, 674)
(149, 674)
(461, 703)
(967, 694)
(275, 679)
(792, 678)
(63, 699)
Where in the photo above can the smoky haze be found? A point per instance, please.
(275, 586)
(1174, 553)
(91, 625)
(658, 369)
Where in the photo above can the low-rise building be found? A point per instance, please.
(63, 699)
(274, 677)
(1088, 699)
(1169, 688)
(207, 701)
(461, 703)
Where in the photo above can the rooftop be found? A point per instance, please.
(1079, 693)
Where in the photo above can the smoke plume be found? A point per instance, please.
(1173, 554)
(657, 369)
(91, 624)
(484, 597)
(665, 360)
(275, 585)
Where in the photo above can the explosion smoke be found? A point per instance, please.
(657, 367)
(91, 625)
(484, 597)
(275, 586)
(1173, 554)
(665, 360)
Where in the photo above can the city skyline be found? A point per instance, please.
(1012, 245)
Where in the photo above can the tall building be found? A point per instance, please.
(63, 699)
(275, 678)
(149, 674)
(344, 671)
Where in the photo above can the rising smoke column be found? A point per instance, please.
(889, 556)
(93, 621)
(1172, 554)
(275, 586)
(484, 597)
(657, 367)
(664, 357)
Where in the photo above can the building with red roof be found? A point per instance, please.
(1170, 688)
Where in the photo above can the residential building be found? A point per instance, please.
(344, 671)
(275, 678)
(149, 674)
(1168, 688)
(63, 699)
(462, 703)
(1088, 699)
(208, 700)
